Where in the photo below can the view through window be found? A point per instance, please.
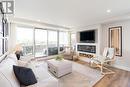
(24, 37)
(52, 42)
(41, 42)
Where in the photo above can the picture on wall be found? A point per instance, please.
(115, 39)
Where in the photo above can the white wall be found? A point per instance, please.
(124, 61)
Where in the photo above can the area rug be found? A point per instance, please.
(81, 76)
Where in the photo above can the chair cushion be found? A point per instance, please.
(110, 53)
(105, 52)
(24, 75)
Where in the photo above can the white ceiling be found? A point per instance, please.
(70, 13)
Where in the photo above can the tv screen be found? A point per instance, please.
(87, 36)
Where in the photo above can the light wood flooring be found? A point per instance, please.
(120, 78)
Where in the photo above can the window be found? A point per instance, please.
(5, 45)
(73, 39)
(1, 40)
(52, 42)
(3, 36)
(1, 47)
(40, 42)
(63, 39)
(24, 37)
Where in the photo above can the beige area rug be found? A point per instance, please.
(81, 76)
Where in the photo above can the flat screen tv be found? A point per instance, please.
(87, 36)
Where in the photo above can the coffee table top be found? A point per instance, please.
(58, 63)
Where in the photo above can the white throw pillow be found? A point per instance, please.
(12, 56)
(22, 63)
(8, 62)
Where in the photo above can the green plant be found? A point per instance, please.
(59, 57)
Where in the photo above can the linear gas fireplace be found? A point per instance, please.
(87, 48)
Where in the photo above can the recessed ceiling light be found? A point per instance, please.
(108, 11)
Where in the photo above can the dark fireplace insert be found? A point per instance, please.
(87, 48)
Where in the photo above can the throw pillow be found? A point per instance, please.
(24, 75)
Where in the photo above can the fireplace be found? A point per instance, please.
(86, 48)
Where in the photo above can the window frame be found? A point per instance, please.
(4, 34)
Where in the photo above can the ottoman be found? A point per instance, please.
(59, 68)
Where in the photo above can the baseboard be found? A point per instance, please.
(122, 67)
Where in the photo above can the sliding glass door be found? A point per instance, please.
(24, 37)
(40, 42)
(52, 42)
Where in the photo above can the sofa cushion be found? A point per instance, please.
(7, 74)
(45, 79)
(24, 75)
(4, 81)
(50, 82)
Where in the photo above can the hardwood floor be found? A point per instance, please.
(120, 78)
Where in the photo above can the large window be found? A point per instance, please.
(52, 42)
(3, 32)
(24, 37)
(3, 35)
(40, 42)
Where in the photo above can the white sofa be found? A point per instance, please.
(8, 79)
